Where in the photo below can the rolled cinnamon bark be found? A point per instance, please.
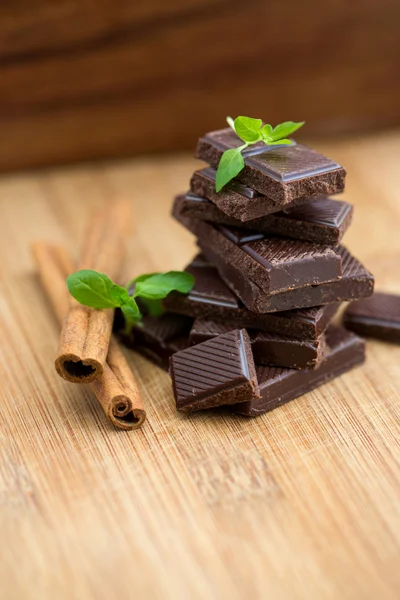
(86, 332)
(116, 389)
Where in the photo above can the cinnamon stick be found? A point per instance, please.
(116, 389)
(86, 332)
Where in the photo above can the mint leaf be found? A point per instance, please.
(153, 307)
(284, 130)
(229, 166)
(248, 129)
(144, 277)
(266, 132)
(159, 285)
(94, 289)
(280, 142)
(119, 294)
(131, 311)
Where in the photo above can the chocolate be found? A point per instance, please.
(219, 371)
(283, 173)
(274, 264)
(211, 298)
(376, 317)
(157, 338)
(268, 348)
(322, 221)
(236, 199)
(278, 386)
(356, 282)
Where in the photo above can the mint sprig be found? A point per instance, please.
(96, 290)
(250, 131)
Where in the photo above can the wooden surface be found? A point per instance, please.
(302, 503)
(82, 79)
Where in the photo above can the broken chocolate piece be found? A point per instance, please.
(356, 282)
(211, 298)
(278, 386)
(283, 173)
(268, 348)
(236, 199)
(274, 264)
(376, 317)
(322, 221)
(219, 371)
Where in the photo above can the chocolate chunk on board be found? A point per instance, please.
(219, 371)
(274, 264)
(236, 199)
(283, 173)
(356, 282)
(268, 348)
(322, 221)
(211, 298)
(376, 317)
(278, 386)
(157, 338)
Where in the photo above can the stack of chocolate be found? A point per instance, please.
(255, 331)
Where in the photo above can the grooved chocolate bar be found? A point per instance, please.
(211, 298)
(268, 348)
(274, 264)
(376, 317)
(356, 282)
(236, 199)
(322, 221)
(157, 338)
(283, 173)
(278, 386)
(219, 371)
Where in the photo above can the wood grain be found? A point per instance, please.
(87, 79)
(301, 503)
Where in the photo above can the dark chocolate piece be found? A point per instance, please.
(211, 298)
(268, 348)
(356, 282)
(274, 264)
(157, 338)
(283, 173)
(219, 371)
(278, 386)
(236, 199)
(322, 221)
(376, 317)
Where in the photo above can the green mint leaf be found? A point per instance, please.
(230, 122)
(131, 311)
(119, 294)
(94, 289)
(266, 132)
(144, 277)
(279, 143)
(285, 129)
(159, 285)
(153, 307)
(248, 129)
(132, 282)
(230, 165)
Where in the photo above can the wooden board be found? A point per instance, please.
(88, 79)
(302, 503)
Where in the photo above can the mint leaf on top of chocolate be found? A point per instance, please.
(96, 290)
(248, 129)
(251, 131)
(159, 285)
(230, 165)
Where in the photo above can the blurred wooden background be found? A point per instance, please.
(84, 79)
